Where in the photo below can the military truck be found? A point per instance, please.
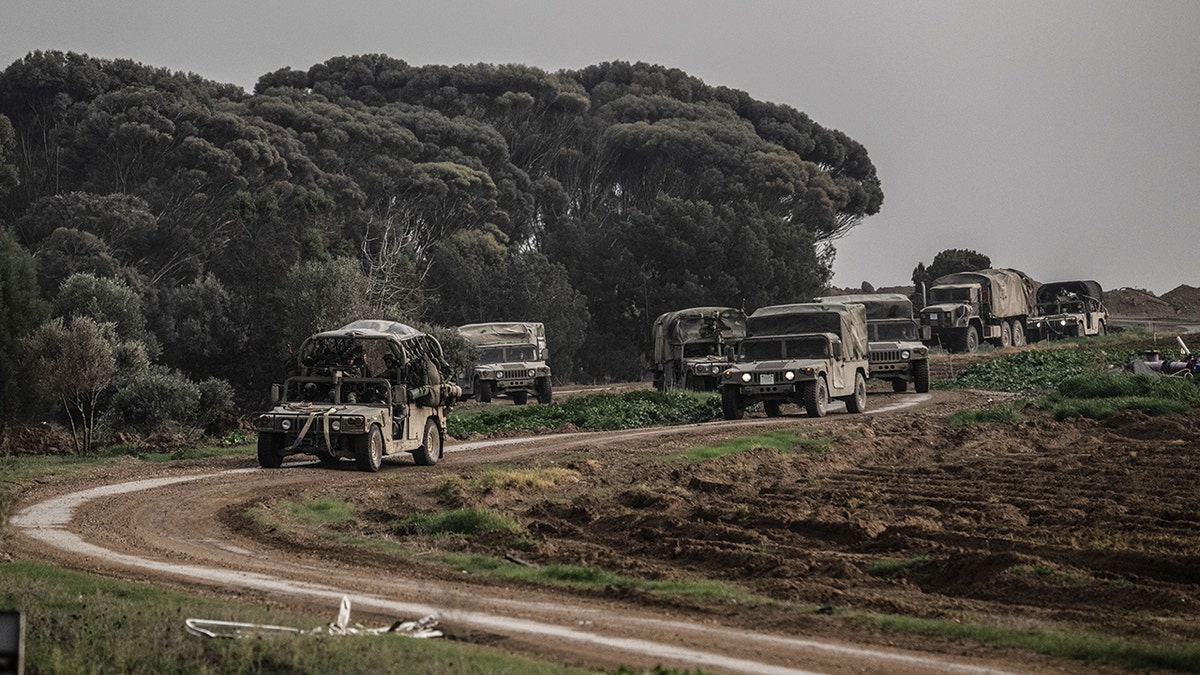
(1068, 309)
(510, 360)
(967, 307)
(897, 353)
(692, 346)
(364, 391)
(804, 354)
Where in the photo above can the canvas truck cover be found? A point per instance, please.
(879, 305)
(1011, 291)
(504, 333)
(691, 325)
(846, 320)
(1046, 293)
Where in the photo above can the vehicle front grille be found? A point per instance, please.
(515, 374)
(885, 356)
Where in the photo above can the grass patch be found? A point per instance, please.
(468, 522)
(1173, 655)
(891, 566)
(1097, 396)
(1005, 413)
(505, 478)
(601, 412)
(784, 440)
(75, 623)
(320, 511)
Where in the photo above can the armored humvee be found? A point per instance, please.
(804, 354)
(510, 360)
(897, 353)
(1068, 309)
(690, 346)
(364, 391)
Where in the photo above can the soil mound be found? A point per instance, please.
(1137, 303)
(1185, 299)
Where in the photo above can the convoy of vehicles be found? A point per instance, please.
(967, 307)
(1068, 309)
(692, 346)
(364, 391)
(510, 360)
(897, 353)
(805, 354)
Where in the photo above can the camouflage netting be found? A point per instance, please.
(846, 320)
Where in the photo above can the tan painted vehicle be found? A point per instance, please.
(968, 307)
(692, 346)
(1068, 309)
(510, 360)
(804, 354)
(364, 391)
(897, 353)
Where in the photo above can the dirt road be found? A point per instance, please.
(1024, 524)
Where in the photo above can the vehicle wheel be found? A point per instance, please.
(1100, 329)
(483, 391)
(1005, 334)
(816, 398)
(545, 394)
(689, 381)
(270, 451)
(773, 408)
(731, 407)
(369, 453)
(520, 397)
(1018, 333)
(899, 386)
(971, 341)
(921, 377)
(857, 402)
(658, 383)
(431, 447)
(326, 457)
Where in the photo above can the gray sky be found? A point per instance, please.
(1060, 138)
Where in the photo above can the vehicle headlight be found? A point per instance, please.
(532, 372)
(922, 351)
(355, 422)
(904, 355)
(285, 424)
(336, 425)
(1062, 322)
(789, 375)
(808, 371)
(746, 377)
(265, 422)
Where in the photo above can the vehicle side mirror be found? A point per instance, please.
(730, 353)
(276, 393)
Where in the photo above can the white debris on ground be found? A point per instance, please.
(422, 628)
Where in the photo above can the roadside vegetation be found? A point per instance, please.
(598, 412)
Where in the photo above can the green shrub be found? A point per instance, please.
(599, 411)
(153, 400)
(468, 522)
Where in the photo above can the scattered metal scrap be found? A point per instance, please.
(422, 628)
(1186, 367)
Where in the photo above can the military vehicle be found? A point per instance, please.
(1068, 309)
(967, 307)
(510, 360)
(897, 353)
(692, 346)
(364, 391)
(804, 354)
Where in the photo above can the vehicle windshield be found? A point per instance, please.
(700, 349)
(897, 330)
(809, 347)
(950, 294)
(507, 354)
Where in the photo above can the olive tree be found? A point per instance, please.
(72, 363)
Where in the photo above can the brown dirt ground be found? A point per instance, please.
(1079, 525)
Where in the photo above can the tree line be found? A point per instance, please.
(191, 231)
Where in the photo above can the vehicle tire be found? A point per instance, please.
(326, 457)
(270, 451)
(545, 392)
(369, 453)
(689, 381)
(520, 397)
(773, 408)
(483, 391)
(658, 383)
(431, 445)
(1018, 333)
(899, 386)
(1100, 329)
(816, 397)
(857, 402)
(1005, 334)
(921, 377)
(971, 340)
(731, 407)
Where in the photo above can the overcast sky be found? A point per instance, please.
(1061, 138)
